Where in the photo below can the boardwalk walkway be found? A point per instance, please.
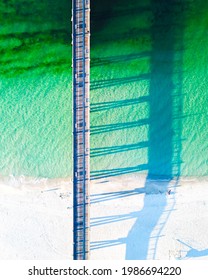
(81, 146)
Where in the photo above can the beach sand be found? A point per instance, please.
(168, 222)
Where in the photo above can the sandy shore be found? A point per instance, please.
(126, 222)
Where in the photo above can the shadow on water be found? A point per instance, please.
(164, 137)
(100, 61)
(106, 10)
(117, 81)
(96, 152)
(163, 156)
(118, 171)
(96, 129)
(29, 28)
(97, 107)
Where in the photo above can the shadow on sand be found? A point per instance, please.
(166, 39)
(164, 138)
(192, 253)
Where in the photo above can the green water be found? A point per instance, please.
(35, 67)
(148, 88)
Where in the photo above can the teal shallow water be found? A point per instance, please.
(148, 89)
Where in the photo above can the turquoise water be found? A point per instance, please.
(35, 96)
(148, 88)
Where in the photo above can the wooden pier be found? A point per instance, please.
(81, 127)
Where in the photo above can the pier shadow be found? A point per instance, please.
(102, 151)
(100, 61)
(101, 106)
(117, 81)
(96, 198)
(96, 129)
(192, 253)
(103, 12)
(163, 155)
(164, 142)
(99, 174)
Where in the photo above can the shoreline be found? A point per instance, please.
(120, 180)
(126, 222)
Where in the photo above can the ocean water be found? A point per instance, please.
(148, 88)
(35, 89)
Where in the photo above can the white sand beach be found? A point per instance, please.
(131, 218)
